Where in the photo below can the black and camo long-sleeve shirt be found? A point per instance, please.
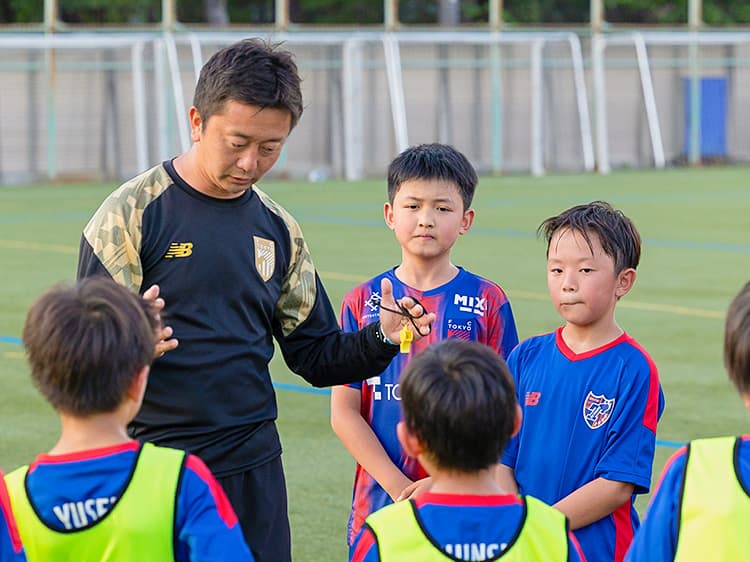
(235, 273)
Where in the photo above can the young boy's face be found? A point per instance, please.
(427, 217)
(582, 280)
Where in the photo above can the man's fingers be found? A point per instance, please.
(151, 293)
(157, 305)
(386, 291)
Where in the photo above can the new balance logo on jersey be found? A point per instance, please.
(380, 391)
(477, 305)
(179, 250)
(597, 409)
(532, 398)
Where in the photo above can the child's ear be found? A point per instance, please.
(625, 282)
(746, 400)
(467, 221)
(410, 443)
(517, 421)
(388, 215)
(137, 386)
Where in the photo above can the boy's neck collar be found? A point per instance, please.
(478, 483)
(425, 277)
(578, 340)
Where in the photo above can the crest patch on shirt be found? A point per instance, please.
(597, 409)
(265, 257)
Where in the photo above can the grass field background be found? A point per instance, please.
(696, 256)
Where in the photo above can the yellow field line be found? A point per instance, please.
(525, 295)
(528, 295)
(19, 245)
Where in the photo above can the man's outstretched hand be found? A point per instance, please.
(164, 340)
(392, 322)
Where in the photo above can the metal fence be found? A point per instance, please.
(109, 105)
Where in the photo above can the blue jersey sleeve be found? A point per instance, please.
(656, 539)
(11, 549)
(510, 333)
(206, 525)
(510, 453)
(629, 452)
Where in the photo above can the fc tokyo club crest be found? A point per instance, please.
(265, 257)
(597, 409)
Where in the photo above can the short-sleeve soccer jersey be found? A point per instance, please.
(586, 416)
(11, 549)
(468, 307)
(656, 539)
(73, 491)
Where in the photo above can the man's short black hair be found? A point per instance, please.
(459, 400)
(253, 72)
(433, 162)
(617, 234)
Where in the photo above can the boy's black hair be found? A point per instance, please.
(433, 162)
(253, 72)
(737, 340)
(459, 400)
(617, 234)
(86, 342)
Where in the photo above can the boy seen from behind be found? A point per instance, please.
(590, 394)
(430, 190)
(97, 494)
(701, 507)
(459, 411)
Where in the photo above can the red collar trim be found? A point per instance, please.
(466, 499)
(573, 356)
(88, 454)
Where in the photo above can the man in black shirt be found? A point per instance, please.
(236, 273)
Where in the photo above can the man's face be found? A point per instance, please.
(237, 146)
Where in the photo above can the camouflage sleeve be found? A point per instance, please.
(299, 290)
(112, 238)
(309, 336)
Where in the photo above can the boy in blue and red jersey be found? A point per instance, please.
(590, 393)
(11, 549)
(99, 495)
(459, 412)
(430, 190)
(701, 507)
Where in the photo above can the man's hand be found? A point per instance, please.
(164, 340)
(392, 322)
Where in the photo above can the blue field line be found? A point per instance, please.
(327, 392)
(669, 444)
(303, 389)
(10, 339)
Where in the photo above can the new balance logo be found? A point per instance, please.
(179, 250)
(532, 398)
(477, 305)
